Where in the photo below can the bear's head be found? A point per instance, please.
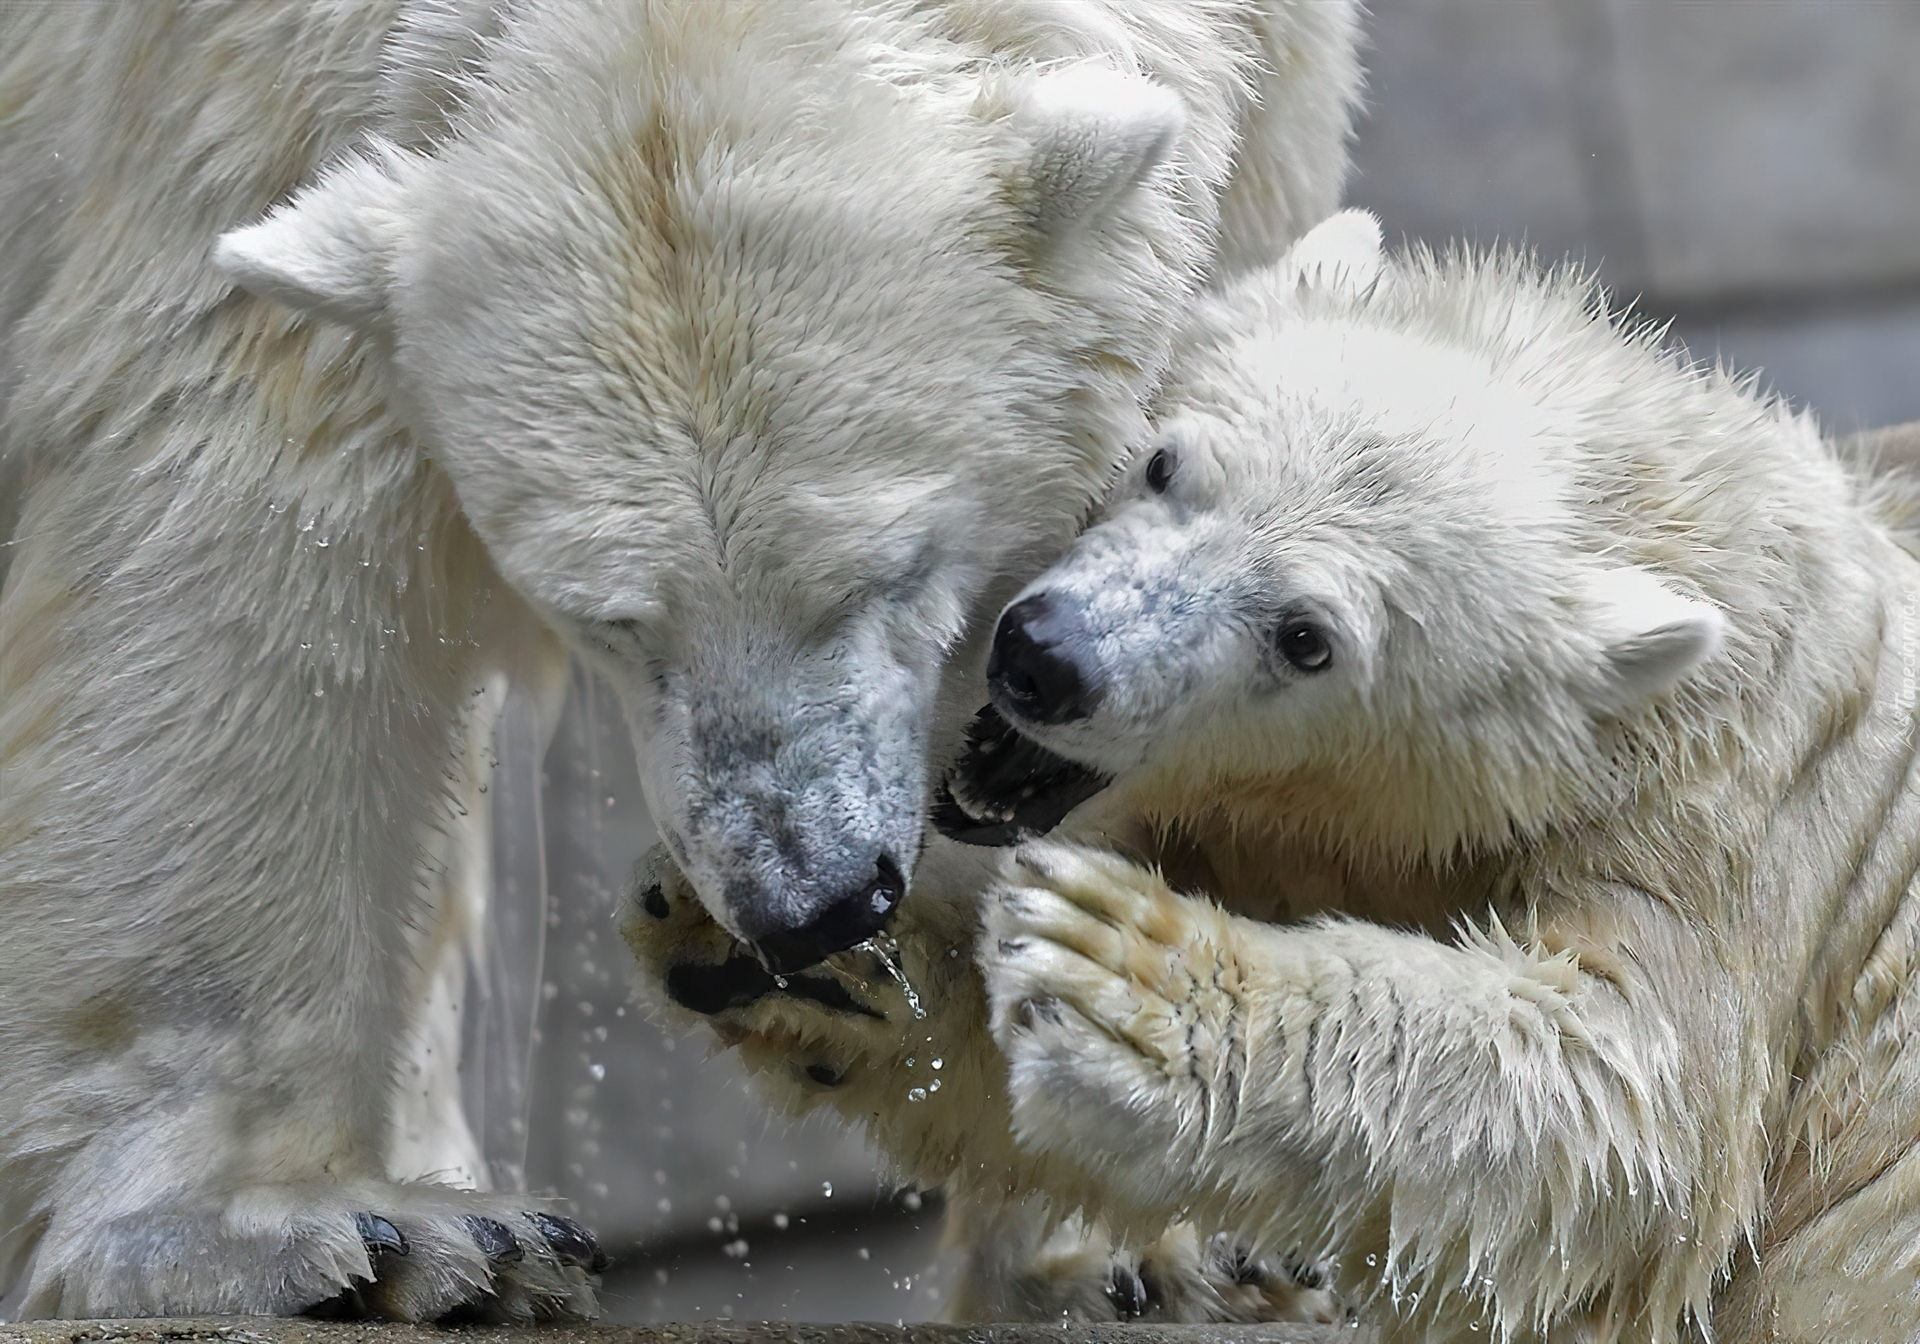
(767, 363)
(1371, 575)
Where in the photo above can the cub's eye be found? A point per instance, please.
(1160, 468)
(1302, 644)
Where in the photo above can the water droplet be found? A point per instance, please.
(865, 1254)
(910, 1061)
(917, 1094)
(1373, 1259)
(934, 1086)
(664, 1205)
(885, 949)
(598, 1071)
(939, 1064)
(779, 982)
(780, 1220)
(826, 1188)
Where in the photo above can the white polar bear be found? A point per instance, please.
(759, 349)
(1539, 711)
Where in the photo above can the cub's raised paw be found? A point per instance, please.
(1118, 1004)
(351, 1249)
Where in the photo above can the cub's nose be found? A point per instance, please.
(848, 921)
(1042, 667)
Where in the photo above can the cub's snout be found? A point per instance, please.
(1043, 667)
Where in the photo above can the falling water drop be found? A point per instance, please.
(885, 949)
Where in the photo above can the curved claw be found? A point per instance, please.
(380, 1236)
(570, 1241)
(495, 1240)
(1127, 1291)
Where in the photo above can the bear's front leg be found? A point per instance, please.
(1123, 1011)
(1491, 1132)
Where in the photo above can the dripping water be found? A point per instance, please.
(887, 951)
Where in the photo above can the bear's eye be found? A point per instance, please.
(1302, 644)
(1160, 469)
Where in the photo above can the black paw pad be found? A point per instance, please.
(494, 1239)
(823, 1075)
(1127, 1291)
(380, 1236)
(570, 1241)
(654, 901)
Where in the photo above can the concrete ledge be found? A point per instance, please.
(268, 1330)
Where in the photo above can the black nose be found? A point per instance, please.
(1041, 667)
(849, 921)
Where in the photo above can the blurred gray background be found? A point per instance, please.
(1749, 169)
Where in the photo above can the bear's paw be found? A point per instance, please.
(1118, 1004)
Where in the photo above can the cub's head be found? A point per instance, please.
(767, 358)
(1373, 571)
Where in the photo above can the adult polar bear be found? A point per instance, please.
(758, 349)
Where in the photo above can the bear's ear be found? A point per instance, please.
(1343, 250)
(1650, 637)
(1095, 133)
(329, 251)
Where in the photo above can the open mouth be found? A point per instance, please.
(1005, 788)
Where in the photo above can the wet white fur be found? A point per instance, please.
(738, 262)
(1561, 978)
(796, 333)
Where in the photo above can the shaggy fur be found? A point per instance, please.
(1551, 962)
(1561, 973)
(759, 349)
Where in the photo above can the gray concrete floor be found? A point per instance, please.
(264, 1330)
(877, 1264)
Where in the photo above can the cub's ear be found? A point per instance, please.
(1650, 637)
(329, 251)
(1095, 132)
(1342, 250)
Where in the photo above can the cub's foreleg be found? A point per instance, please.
(1480, 1128)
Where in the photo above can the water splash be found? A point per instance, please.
(887, 951)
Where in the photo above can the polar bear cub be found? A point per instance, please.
(1531, 715)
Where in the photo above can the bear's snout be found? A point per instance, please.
(1043, 668)
(848, 921)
